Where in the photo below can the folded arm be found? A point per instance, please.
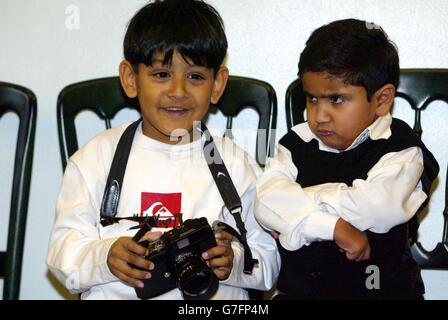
(285, 207)
(390, 195)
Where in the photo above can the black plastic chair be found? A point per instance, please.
(419, 87)
(242, 93)
(106, 98)
(20, 100)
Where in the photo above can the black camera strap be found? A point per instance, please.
(227, 190)
(229, 195)
(111, 196)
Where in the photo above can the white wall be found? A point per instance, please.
(38, 51)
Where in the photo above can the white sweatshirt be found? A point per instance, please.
(160, 179)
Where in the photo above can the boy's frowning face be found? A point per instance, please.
(172, 97)
(336, 112)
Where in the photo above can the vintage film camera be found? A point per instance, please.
(178, 262)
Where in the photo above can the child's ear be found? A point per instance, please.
(128, 79)
(219, 84)
(384, 99)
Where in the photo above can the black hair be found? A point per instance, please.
(191, 27)
(358, 52)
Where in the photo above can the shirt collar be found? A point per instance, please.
(379, 129)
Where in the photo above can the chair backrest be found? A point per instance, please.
(242, 93)
(419, 87)
(17, 99)
(295, 104)
(106, 98)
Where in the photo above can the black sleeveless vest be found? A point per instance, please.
(320, 270)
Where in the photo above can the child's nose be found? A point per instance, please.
(177, 88)
(322, 114)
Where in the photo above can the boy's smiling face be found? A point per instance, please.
(172, 97)
(338, 112)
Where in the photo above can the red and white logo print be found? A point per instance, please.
(166, 207)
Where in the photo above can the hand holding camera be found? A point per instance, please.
(125, 252)
(177, 258)
(220, 258)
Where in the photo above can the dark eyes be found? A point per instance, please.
(336, 99)
(161, 74)
(196, 76)
(332, 99)
(164, 74)
(311, 99)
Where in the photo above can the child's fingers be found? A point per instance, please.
(217, 251)
(135, 273)
(354, 256)
(358, 255)
(222, 273)
(220, 259)
(221, 265)
(151, 235)
(140, 262)
(367, 253)
(120, 268)
(129, 280)
(131, 246)
(350, 256)
(224, 236)
(223, 261)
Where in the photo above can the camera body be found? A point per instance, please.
(178, 262)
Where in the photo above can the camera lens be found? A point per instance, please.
(194, 278)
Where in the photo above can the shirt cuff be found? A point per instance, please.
(320, 226)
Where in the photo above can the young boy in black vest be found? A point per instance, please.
(343, 187)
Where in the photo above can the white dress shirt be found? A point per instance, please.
(390, 195)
